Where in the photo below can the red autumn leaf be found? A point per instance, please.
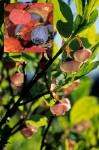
(12, 6)
(51, 18)
(34, 49)
(19, 16)
(25, 31)
(12, 45)
(7, 22)
(43, 6)
(11, 30)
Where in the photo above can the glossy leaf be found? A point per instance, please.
(92, 20)
(92, 5)
(85, 108)
(80, 4)
(65, 28)
(57, 15)
(77, 22)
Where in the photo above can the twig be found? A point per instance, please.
(32, 99)
(46, 131)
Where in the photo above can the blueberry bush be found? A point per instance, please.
(48, 100)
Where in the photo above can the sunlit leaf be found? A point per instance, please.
(92, 20)
(48, 99)
(37, 120)
(80, 4)
(65, 28)
(85, 108)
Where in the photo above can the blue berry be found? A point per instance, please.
(39, 35)
(24, 1)
(18, 27)
(36, 16)
(49, 28)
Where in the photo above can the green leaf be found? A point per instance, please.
(81, 91)
(41, 1)
(95, 50)
(15, 56)
(80, 4)
(85, 108)
(93, 4)
(48, 99)
(80, 146)
(85, 69)
(77, 22)
(37, 120)
(92, 19)
(65, 28)
(57, 15)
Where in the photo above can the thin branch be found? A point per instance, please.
(46, 131)
(32, 99)
(46, 81)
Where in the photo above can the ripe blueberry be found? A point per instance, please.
(35, 16)
(39, 35)
(49, 28)
(17, 30)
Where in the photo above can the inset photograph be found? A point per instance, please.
(28, 27)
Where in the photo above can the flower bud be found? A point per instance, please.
(82, 54)
(53, 85)
(75, 84)
(66, 102)
(61, 108)
(70, 66)
(29, 130)
(17, 79)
